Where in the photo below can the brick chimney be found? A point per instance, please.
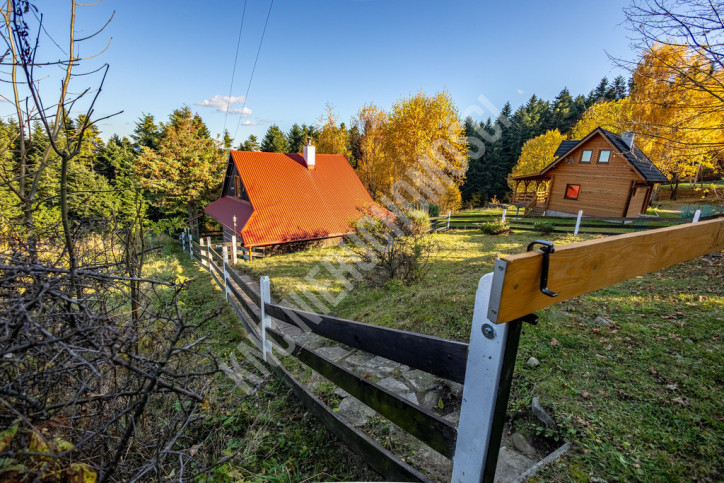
(309, 153)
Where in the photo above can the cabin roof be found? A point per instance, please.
(638, 160)
(290, 202)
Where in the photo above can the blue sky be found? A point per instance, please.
(165, 54)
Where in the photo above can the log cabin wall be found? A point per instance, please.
(604, 187)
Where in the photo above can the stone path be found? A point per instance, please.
(432, 393)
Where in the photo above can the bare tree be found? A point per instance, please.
(103, 374)
(677, 95)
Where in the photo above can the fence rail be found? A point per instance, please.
(504, 300)
(441, 357)
(593, 226)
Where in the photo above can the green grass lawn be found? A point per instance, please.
(640, 400)
(270, 436)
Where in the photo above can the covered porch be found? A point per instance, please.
(531, 191)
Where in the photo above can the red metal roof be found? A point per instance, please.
(225, 208)
(291, 202)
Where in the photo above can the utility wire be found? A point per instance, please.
(233, 72)
(254, 68)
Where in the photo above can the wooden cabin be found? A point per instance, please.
(270, 199)
(604, 174)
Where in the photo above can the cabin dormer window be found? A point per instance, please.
(604, 155)
(586, 155)
(572, 191)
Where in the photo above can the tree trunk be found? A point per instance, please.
(674, 188)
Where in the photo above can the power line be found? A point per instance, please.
(233, 72)
(254, 68)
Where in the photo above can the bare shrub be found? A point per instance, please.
(397, 251)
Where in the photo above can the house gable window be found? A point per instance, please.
(572, 191)
(586, 155)
(604, 155)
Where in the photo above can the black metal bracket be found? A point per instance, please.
(531, 319)
(547, 248)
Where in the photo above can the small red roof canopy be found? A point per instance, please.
(288, 201)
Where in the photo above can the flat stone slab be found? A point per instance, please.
(420, 381)
(357, 359)
(399, 388)
(511, 465)
(309, 340)
(355, 412)
(379, 367)
(333, 353)
(430, 399)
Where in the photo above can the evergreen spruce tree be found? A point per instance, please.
(274, 141)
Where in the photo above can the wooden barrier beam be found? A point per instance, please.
(587, 266)
(441, 357)
(426, 426)
(379, 458)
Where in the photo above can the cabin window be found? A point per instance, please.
(586, 156)
(604, 155)
(572, 191)
(237, 186)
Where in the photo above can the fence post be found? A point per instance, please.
(233, 249)
(489, 373)
(183, 240)
(265, 295)
(208, 251)
(202, 252)
(226, 274)
(697, 214)
(504, 211)
(191, 247)
(448, 219)
(578, 222)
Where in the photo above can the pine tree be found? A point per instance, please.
(296, 138)
(146, 132)
(251, 144)
(186, 170)
(274, 141)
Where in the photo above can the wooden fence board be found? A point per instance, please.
(383, 461)
(217, 274)
(591, 265)
(441, 357)
(428, 427)
(253, 333)
(243, 286)
(247, 306)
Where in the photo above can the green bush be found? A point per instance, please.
(544, 227)
(433, 210)
(495, 228)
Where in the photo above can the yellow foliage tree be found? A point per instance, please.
(678, 110)
(423, 130)
(374, 167)
(612, 116)
(333, 137)
(537, 153)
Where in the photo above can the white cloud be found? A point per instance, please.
(249, 123)
(520, 91)
(224, 103)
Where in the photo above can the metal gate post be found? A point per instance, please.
(488, 375)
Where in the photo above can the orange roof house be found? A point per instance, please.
(279, 198)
